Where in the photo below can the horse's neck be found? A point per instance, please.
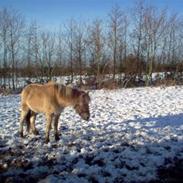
(66, 96)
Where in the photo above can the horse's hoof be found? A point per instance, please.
(46, 141)
(57, 138)
(35, 132)
(21, 134)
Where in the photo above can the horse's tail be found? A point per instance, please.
(27, 120)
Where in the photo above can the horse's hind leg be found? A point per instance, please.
(32, 123)
(24, 112)
(49, 118)
(27, 120)
(56, 127)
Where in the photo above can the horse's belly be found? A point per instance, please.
(36, 109)
(58, 111)
(36, 106)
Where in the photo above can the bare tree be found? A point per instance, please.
(147, 35)
(70, 29)
(96, 44)
(30, 50)
(123, 45)
(47, 52)
(137, 33)
(4, 28)
(60, 51)
(79, 49)
(154, 26)
(11, 27)
(115, 29)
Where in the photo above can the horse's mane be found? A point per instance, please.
(68, 92)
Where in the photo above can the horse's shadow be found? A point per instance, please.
(164, 121)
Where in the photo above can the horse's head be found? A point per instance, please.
(82, 105)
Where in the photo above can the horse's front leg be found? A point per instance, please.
(49, 118)
(56, 127)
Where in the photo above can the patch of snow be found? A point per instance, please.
(131, 133)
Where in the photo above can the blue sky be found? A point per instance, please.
(52, 13)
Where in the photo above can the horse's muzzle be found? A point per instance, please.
(87, 119)
(86, 116)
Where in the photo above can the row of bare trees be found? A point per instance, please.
(11, 28)
(128, 44)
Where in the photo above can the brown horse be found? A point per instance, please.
(51, 99)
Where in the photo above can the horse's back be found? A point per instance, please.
(31, 90)
(39, 89)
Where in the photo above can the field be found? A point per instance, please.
(132, 136)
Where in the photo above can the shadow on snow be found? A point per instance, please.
(105, 154)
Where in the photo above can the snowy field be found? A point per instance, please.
(131, 133)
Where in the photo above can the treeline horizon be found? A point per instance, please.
(144, 40)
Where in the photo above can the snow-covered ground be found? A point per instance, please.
(131, 133)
